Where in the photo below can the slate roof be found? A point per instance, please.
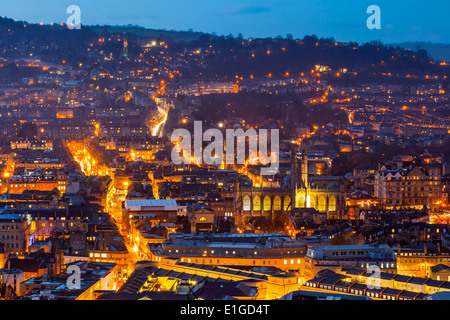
(26, 265)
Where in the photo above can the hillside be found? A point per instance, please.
(438, 51)
(176, 36)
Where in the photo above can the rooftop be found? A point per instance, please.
(138, 204)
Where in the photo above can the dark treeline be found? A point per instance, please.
(259, 57)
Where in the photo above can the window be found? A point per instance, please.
(332, 204)
(322, 204)
(286, 203)
(266, 203)
(277, 203)
(257, 203)
(247, 203)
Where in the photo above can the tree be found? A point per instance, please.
(310, 40)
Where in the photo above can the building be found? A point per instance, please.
(349, 256)
(118, 257)
(235, 250)
(95, 279)
(409, 187)
(14, 233)
(152, 283)
(3, 255)
(30, 267)
(49, 253)
(19, 184)
(13, 278)
(356, 283)
(398, 282)
(364, 171)
(326, 194)
(164, 210)
(77, 240)
(203, 216)
(110, 248)
(46, 221)
(418, 262)
(269, 285)
(440, 272)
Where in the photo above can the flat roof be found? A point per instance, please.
(10, 217)
(350, 247)
(345, 296)
(150, 203)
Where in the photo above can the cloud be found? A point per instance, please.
(247, 10)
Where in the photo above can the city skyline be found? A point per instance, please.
(148, 165)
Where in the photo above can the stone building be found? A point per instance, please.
(326, 194)
(414, 187)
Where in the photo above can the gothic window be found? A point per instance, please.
(256, 203)
(287, 203)
(322, 207)
(332, 203)
(277, 203)
(247, 203)
(266, 203)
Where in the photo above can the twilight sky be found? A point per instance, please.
(401, 20)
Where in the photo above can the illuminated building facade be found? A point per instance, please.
(349, 256)
(260, 249)
(165, 210)
(410, 187)
(176, 279)
(323, 193)
(14, 231)
(20, 185)
(118, 257)
(38, 179)
(419, 262)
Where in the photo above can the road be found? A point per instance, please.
(158, 126)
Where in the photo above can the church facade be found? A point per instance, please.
(324, 193)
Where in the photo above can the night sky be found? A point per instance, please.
(343, 19)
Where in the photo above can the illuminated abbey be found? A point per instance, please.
(299, 191)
